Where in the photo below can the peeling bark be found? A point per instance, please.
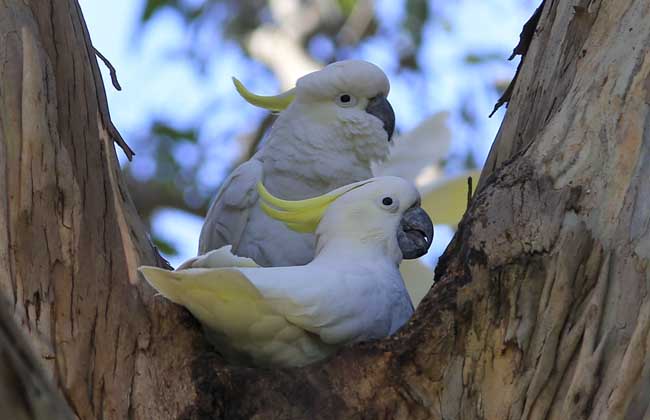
(540, 308)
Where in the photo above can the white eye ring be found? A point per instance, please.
(346, 100)
(389, 203)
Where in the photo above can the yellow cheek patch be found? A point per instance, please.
(301, 215)
(275, 103)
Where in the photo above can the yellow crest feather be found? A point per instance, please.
(275, 103)
(304, 221)
(301, 215)
(305, 204)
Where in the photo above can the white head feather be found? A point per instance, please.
(319, 130)
(367, 217)
(357, 77)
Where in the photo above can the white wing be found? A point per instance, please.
(237, 318)
(218, 258)
(340, 304)
(418, 153)
(228, 214)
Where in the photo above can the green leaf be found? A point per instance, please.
(417, 13)
(153, 6)
(161, 129)
(470, 161)
(347, 6)
(164, 246)
(480, 58)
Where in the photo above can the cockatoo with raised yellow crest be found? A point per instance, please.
(331, 127)
(351, 291)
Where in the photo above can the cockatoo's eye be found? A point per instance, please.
(346, 100)
(389, 203)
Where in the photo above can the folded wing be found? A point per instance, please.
(218, 258)
(236, 317)
(228, 214)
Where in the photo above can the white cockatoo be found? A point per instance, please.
(351, 291)
(332, 126)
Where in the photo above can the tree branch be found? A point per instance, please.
(151, 195)
(111, 69)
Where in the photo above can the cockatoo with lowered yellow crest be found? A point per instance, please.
(331, 127)
(351, 291)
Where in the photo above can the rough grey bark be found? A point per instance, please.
(540, 309)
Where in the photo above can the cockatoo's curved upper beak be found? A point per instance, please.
(415, 233)
(381, 108)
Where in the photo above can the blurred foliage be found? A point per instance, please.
(417, 13)
(172, 158)
(164, 246)
(161, 129)
(243, 17)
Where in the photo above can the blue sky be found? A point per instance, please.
(158, 83)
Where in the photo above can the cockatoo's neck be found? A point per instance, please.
(303, 159)
(375, 246)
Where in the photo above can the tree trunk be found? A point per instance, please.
(541, 307)
(25, 391)
(70, 238)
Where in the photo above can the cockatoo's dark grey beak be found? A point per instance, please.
(380, 108)
(415, 233)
